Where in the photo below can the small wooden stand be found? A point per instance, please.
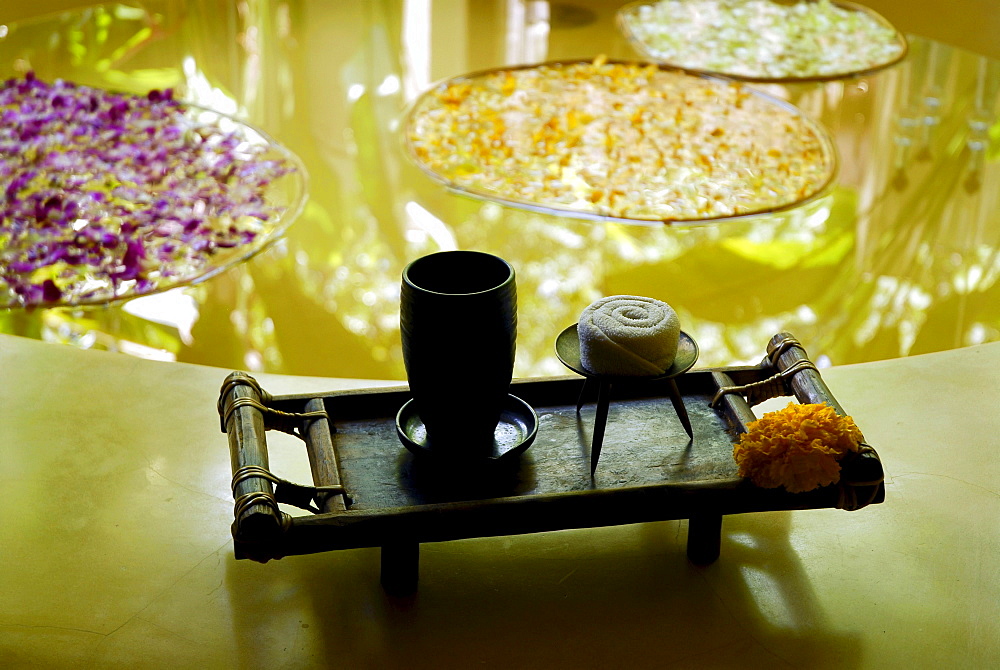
(604, 406)
(568, 351)
(370, 492)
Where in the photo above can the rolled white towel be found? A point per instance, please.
(628, 335)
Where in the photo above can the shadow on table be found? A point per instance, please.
(581, 598)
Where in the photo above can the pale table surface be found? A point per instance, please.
(116, 548)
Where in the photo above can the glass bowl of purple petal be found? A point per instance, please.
(108, 196)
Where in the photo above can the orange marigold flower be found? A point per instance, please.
(798, 447)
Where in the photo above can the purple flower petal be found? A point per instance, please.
(50, 292)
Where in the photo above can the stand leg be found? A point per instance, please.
(704, 538)
(600, 423)
(678, 402)
(400, 568)
(583, 391)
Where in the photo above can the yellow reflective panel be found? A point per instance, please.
(900, 257)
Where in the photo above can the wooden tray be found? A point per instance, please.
(369, 491)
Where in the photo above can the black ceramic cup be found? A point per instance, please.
(458, 322)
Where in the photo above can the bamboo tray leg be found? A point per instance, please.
(400, 566)
(704, 538)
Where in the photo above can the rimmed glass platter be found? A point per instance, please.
(764, 40)
(109, 196)
(619, 141)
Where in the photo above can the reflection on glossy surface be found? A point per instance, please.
(618, 141)
(902, 257)
(177, 195)
(763, 40)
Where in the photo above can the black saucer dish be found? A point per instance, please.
(513, 435)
